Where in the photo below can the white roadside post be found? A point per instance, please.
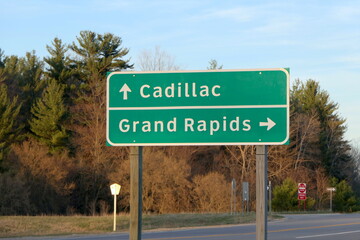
(115, 190)
(331, 189)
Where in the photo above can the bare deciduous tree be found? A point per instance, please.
(156, 60)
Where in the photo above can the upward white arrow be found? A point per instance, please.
(125, 89)
(270, 124)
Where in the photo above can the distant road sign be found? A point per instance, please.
(245, 191)
(302, 191)
(228, 107)
(302, 188)
(301, 196)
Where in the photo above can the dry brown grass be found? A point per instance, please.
(11, 226)
(17, 226)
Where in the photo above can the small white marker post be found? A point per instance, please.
(115, 190)
(331, 189)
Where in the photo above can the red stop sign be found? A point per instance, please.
(302, 187)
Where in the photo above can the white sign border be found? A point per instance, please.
(192, 107)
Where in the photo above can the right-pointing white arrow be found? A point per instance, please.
(270, 124)
(125, 89)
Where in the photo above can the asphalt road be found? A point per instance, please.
(297, 227)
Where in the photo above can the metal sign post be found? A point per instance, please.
(302, 194)
(261, 192)
(245, 196)
(233, 196)
(270, 197)
(135, 192)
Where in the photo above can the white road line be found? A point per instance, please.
(329, 234)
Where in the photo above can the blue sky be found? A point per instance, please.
(316, 39)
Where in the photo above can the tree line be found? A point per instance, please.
(53, 157)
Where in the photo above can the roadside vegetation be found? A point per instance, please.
(17, 226)
(54, 160)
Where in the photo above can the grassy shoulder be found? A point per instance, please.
(17, 226)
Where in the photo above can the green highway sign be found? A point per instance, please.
(230, 107)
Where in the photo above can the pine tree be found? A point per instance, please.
(96, 55)
(9, 111)
(285, 198)
(213, 65)
(2, 66)
(49, 113)
(9, 129)
(308, 98)
(344, 197)
(60, 67)
(24, 79)
(11, 74)
(2, 59)
(100, 53)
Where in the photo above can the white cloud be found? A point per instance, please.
(113, 5)
(276, 26)
(346, 13)
(238, 14)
